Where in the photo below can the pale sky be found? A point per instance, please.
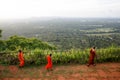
(20, 9)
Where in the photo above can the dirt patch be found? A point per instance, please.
(105, 71)
(1, 68)
(13, 69)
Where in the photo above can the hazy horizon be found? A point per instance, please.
(23, 9)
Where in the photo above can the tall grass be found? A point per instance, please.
(79, 56)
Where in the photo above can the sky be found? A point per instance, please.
(20, 9)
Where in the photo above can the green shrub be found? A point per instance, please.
(38, 56)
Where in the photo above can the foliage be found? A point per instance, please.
(68, 33)
(17, 42)
(71, 36)
(38, 56)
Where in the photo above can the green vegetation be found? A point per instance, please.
(38, 57)
(72, 39)
(67, 33)
(14, 43)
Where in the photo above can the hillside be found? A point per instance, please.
(67, 33)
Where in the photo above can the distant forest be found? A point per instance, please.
(66, 33)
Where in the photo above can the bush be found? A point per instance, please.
(38, 56)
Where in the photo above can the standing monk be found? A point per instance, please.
(92, 56)
(49, 64)
(21, 58)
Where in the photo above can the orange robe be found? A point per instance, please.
(21, 59)
(49, 64)
(92, 56)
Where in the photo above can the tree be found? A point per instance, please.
(15, 42)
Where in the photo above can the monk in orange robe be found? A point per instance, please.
(21, 58)
(92, 56)
(49, 62)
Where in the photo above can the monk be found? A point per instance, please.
(49, 62)
(21, 59)
(92, 56)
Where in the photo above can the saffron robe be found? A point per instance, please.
(21, 59)
(92, 56)
(49, 63)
